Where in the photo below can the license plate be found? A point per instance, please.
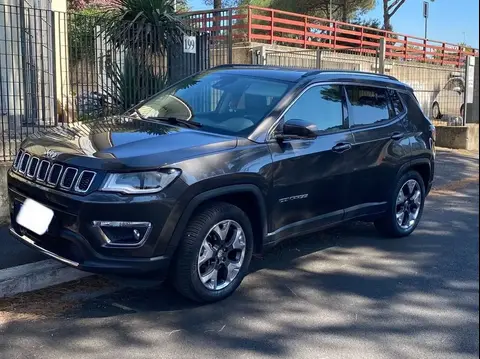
(35, 217)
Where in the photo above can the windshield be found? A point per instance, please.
(221, 102)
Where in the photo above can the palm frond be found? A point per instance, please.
(143, 25)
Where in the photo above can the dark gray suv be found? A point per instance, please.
(193, 181)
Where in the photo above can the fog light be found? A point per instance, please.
(123, 234)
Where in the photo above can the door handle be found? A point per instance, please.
(341, 147)
(397, 136)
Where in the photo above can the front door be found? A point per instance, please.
(309, 179)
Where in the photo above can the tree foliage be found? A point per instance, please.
(341, 9)
(142, 25)
(78, 5)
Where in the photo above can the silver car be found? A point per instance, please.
(450, 100)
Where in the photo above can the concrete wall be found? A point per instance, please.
(459, 137)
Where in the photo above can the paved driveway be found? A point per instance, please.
(345, 293)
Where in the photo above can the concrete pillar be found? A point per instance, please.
(319, 59)
(259, 55)
(381, 56)
(65, 107)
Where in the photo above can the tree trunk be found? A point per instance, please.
(386, 17)
(217, 4)
(345, 15)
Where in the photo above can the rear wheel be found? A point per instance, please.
(214, 254)
(405, 208)
(436, 114)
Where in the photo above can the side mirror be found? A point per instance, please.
(457, 89)
(299, 129)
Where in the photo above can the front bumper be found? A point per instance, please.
(73, 239)
(90, 261)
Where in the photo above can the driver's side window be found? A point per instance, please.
(321, 105)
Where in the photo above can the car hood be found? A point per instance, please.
(124, 144)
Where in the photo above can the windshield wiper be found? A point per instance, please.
(140, 116)
(175, 121)
(172, 120)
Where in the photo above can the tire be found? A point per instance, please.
(389, 224)
(200, 240)
(462, 111)
(436, 114)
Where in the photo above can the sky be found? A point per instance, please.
(452, 21)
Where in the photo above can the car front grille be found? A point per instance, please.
(53, 174)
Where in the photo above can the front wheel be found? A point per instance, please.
(405, 208)
(214, 254)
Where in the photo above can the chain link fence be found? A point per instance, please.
(439, 89)
(351, 59)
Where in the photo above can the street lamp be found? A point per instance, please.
(426, 7)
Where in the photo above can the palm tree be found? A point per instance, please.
(143, 31)
(143, 25)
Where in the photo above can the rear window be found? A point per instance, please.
(368, 105)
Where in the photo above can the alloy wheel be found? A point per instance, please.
(221, 255)
(408, 204)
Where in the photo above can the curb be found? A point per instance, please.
(34, 276)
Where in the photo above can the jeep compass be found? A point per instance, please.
(193, 181)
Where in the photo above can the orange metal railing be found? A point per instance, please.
(271, 26)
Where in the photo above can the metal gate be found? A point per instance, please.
(59, 67)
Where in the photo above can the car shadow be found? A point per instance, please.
(411, 295)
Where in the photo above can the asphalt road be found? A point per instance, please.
(344, 293)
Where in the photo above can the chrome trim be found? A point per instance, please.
(30, 165)
(21, 161)
(122, 224)
(49, 182)
(63, 177)
(80, 178)
(43, 250)
(46, 172)
(268, 133)
(17, 160)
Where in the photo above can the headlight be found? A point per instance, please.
(139, 182)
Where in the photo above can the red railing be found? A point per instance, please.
(256, 24)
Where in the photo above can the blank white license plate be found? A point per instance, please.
(35, 217)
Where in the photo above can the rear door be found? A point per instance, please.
(378, 122)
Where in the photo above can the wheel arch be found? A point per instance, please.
(247, 197)
(420, 165)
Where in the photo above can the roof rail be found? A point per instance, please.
(360, 73)
(310, 72)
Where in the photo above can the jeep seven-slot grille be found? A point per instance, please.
(53, 174)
